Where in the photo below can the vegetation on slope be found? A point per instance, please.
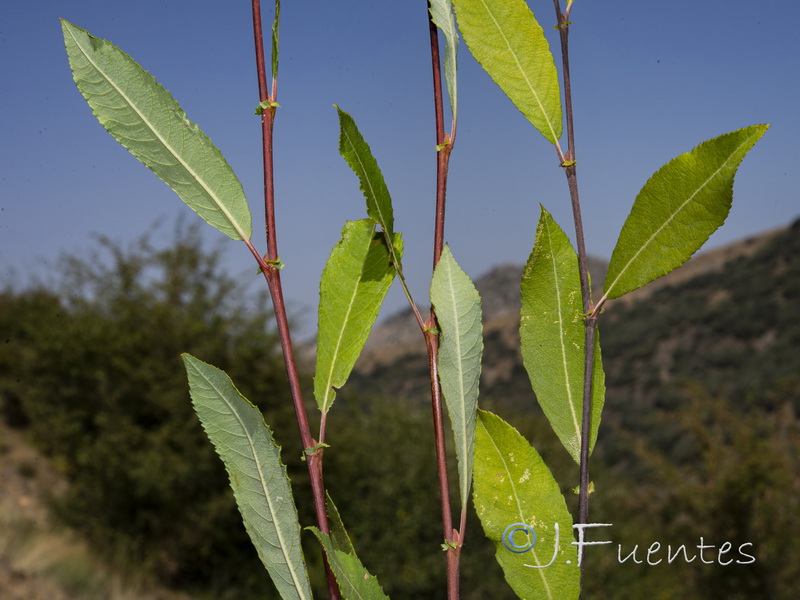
(700, 438)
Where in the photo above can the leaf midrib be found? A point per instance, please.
(522, 71)
(298, 584)
(368, 179)
(461, 389)
(169, 148)
(329, 380)
(346, 576)
(670, 219)
(564, 362)
(519, 506)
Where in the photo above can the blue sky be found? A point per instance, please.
(651, 80)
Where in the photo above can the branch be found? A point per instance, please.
(569, 164)
(444, 145)
(268, 100)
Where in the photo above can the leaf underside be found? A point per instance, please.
(258, 478)
(458, 312)
(513, 485)
(508, 42)
(442, 16)
(552, 338)
(677, 210)
(143, 117)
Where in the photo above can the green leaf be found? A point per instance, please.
(552, 336)
(259, 481)
(442, 16)
(353, 285)
(339, 537)
(514, 486)
(354, 580)
(509, 44)
(276, 35)
(146, 120)
(356, 152)
(677, 210)
(458, 311)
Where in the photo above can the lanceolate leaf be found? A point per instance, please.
(354, 283)
(146, 120)
(276, 36)
(442, 15)
(458, 311)
(677, 210)
(506, 40)
(259, 481)
(552, 336)
(356, 152)
(339, 536)
(513, 487)
(354, 580)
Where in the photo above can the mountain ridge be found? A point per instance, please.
(397, 336)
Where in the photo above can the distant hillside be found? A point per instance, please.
(398, 335)
(720, 319)
(700, 436)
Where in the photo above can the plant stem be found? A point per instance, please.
(590, 322)
(271, 271)
(444, 146)
(443, 142)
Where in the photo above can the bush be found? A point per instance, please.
(91, 367)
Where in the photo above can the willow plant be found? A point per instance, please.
(520, 505)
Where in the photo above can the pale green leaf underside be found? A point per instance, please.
(552, 336)
(509, 44)
(458, 311)
(513, 485)
(358, 155)
(258, 478)
(354, 580)
(442, 15)
(354, 283)
(677, 210)
(145, 119)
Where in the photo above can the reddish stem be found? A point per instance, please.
(444, 147)
(590, 322)
(272, 274)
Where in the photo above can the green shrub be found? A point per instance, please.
(94, 373)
